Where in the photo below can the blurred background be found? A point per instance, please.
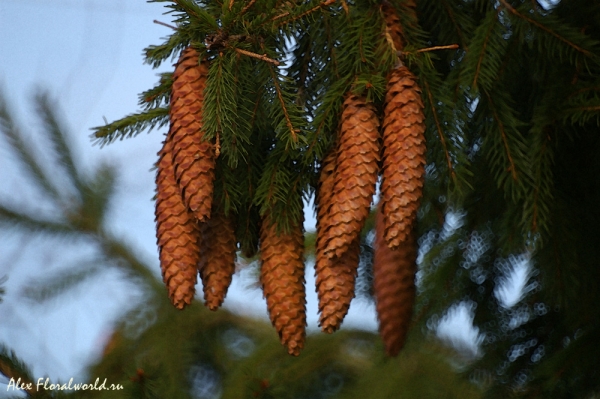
(79, 271)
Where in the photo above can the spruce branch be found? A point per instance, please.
(439, 130)
(288, 121)
(512, 168)
(13, 367)
(191, 8)
(544, 28)
(57, 284)
(56, 132)
(304, 14)
(130, 126)
(24, 152)
(14, 219)
(159, 95)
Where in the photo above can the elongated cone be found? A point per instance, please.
(177, 233)
(217, 258)
(403, 156)
(394, 287)
(355, 175)
(393, 26)
(282, 279)
(335, 278)
(193, 157)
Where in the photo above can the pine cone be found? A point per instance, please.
(217, 258)
(193, 157)
(394, 287)
(393, 27)
(282, 279)
(335, 278)
(403, 156)
(392, 22)
(355, 175)
(177, 233)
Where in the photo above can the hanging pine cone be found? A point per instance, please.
(177, 233)
(335, 278)
(394, 287)
(403, 155)
(355, 175)
(392, 24)
(193, 157)
(282, 279)
(217, 258)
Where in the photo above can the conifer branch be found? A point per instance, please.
(17, 142)
(439, 130)
(300, 16)
(12, 367)
(55, 131)
(288, 121)
(131, 125)
(512, 167)
(457, 27)
(482, 53)
(541, 26)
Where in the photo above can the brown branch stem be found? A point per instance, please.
(262, 57)
(164, 24)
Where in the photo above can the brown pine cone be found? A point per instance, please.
(403, 156)
(393, 26)
(355, 175)
(177, 233)
(394, 287)
(335, 278)
(193, 157)
(282, 279)
(217, 258)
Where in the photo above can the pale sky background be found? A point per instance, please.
(88, 55)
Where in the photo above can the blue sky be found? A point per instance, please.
(88, 55)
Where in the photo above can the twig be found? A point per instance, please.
(231, 4)
(285, 14)
(448, 47)
(262, 57)
(164, 24)
(245, 9)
